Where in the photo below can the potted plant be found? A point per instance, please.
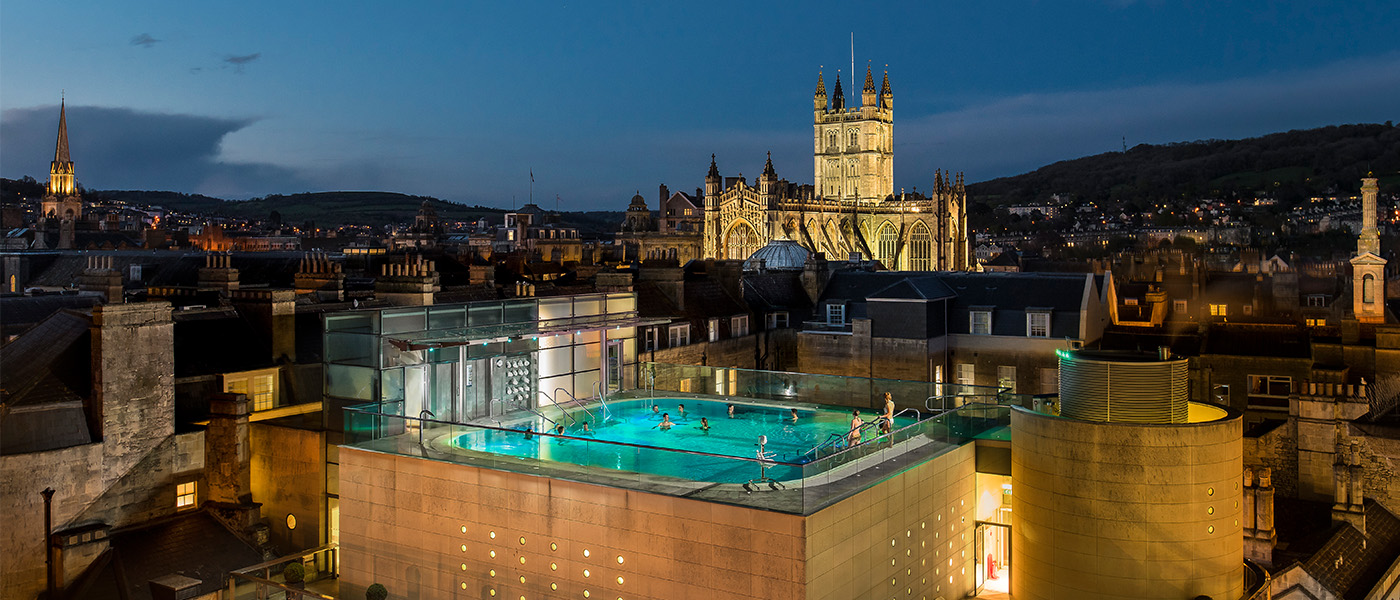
(376, 592)
(294, 576)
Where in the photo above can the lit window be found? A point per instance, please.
(1218, 310)
(777, 320)
(1038, 324)
(836, 314)
(714, 330)
(1130, 301)
(1006, 378)
(680, 335)
(1316, 322)
(980, 322)
(184, 495)
(965, 374)
(739, 326)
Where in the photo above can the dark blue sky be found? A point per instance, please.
(462, 100)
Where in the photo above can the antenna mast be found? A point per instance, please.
(853, 58)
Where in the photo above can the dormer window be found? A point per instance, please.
(980, 322)
(836, 314)
(1038, 324)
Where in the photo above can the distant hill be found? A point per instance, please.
(1289, 167)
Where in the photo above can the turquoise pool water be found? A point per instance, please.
(634, 422)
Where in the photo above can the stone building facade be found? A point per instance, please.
(852, 209)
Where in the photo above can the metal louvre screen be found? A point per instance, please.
(1123, 391)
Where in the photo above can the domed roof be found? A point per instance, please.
(638, 202)
(778, 255)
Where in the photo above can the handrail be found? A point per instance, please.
(575, 401)
(572, 437)
(561, 409)
(602, 393)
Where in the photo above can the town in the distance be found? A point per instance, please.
(1162, 372)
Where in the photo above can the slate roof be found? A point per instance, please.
(1011, 294)
(766, 292)
(19, 313)
(1289, 341)
(1350, 563)
(47, 377)
(914, 288)
(194, 545)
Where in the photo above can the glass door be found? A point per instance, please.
(613, 365)
(993, 546)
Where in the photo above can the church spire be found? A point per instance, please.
(60, 154)
(714, 169)
(838, 99)
(61, 169)
(819, 98)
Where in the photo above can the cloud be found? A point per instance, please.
(1011, 135)
(239, 61)
(145, 40)
(121, 148)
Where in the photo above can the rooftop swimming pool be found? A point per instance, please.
(632, 438)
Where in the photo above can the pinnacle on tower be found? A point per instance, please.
(821, 85)
(768, 168)
(869, 80)
(714, 169)
(886, 96)
(819, 98)
(838, 99)
(868, 97)
(60, 153)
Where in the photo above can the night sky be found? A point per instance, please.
(461, 100)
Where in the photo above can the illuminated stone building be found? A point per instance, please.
(62, 206)
(853, 208)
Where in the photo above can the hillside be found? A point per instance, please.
(1289, 167)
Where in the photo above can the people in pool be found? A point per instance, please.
(704, 424)
(681, 408)
(889, 409)
(793, 417)
(665, 421)
(731, 411)
(853, 437)
(586, 430)
(655, 410)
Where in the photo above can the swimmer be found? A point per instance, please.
(731, 411)
(586, 430)
(794, 416)
(530, 432)
(704, 424)
(559, 431)
(889, 411)
(665, 421)
(853, 437)
(681, 408)
(655, 410)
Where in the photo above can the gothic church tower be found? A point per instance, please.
(61, 200)
(853, 157)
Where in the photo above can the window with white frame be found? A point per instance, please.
(185, 495)
(980, 322)
(1179, 306)
(739, 326)
(966, 375)
(1006, 378)
(261, 389)
(777, 320)
(836, 314)
(1317, 300)
(679, 335)
(1038, 324)
(714, 330)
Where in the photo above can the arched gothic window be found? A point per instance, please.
(831, 140)
(920, 248)
(854, 143)
(741, 242)
(887, 244)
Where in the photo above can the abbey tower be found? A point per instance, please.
(853, 152)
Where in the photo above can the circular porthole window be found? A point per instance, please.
(291, 521)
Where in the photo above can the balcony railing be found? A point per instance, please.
(264, 581)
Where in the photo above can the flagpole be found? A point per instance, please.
(532, 186)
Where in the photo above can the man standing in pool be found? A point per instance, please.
(681, 408)
(655, 410)
(665, 421)
(793, 418)
(731, 411)
(853, 437)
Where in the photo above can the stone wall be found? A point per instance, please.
(431, 529)
(911, 536)
(1277, 450)
(288, 478)
(741, 352)
(1119, 510)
